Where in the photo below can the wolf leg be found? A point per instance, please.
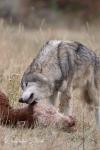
(94, 94)
(66, 104)
(97, 114)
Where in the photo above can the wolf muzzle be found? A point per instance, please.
(21, 100)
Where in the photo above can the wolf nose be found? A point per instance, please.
(20, 100)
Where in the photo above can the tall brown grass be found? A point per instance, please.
(18, 47)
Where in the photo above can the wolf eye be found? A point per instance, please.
(34, 80)
(24, 85)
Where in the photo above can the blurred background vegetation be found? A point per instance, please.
(33, 13)
(24, 26)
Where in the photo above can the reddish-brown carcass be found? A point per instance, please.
(42, 114)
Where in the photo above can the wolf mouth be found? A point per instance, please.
(33, 103)
(32, 100)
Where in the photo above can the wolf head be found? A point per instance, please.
(35, 87)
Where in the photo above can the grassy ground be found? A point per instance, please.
(18, 47)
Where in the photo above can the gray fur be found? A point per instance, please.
(63, 66)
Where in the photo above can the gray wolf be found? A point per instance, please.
(62, 66)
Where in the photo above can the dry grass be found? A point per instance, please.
(18, 46)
